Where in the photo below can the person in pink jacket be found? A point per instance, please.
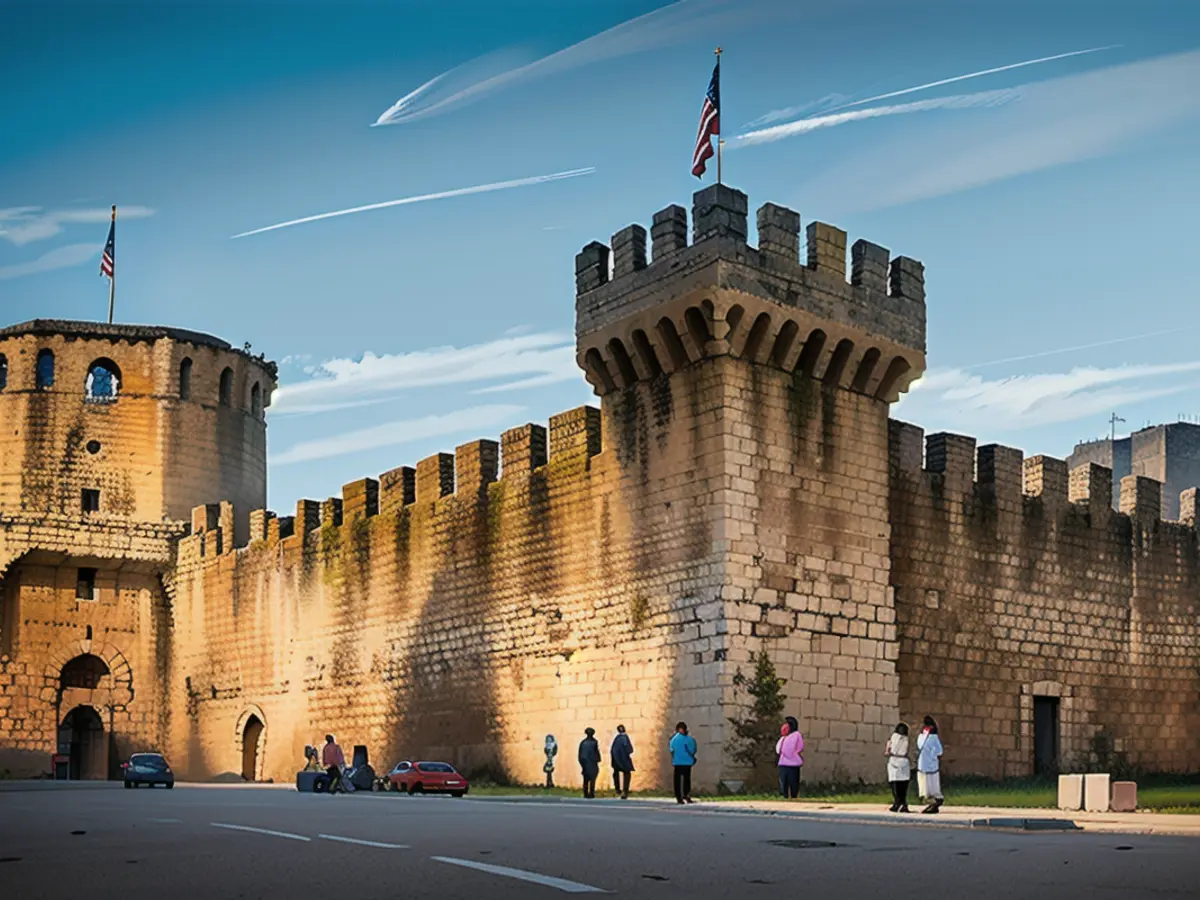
(788, 747)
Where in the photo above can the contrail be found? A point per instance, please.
(421, 198)
(1108, 343)
(803, 126)
(775, 115)
(675, 23)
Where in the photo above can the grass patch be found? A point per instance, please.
(1156, 793)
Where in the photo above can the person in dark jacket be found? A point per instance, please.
(589, 762)
(621, 755)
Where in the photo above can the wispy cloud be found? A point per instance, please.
(401, 431)
(58, 258)
(1055, 122)
(676, 23)
(831, 120)
(962, 401)
(25, 224)
(776, 114)
(422, 198)
(515, 361)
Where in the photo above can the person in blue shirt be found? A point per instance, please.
(683, 756)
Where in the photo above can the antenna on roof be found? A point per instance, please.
(1112, 421)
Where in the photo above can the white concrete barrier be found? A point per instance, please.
(1070, 792)
(1097, 794)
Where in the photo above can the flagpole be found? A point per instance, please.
(720, 115)
(112, 279)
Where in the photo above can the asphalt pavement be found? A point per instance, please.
(219, 842)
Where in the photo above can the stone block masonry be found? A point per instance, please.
(1009, 597)
(739, 490)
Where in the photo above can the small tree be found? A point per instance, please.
(757, 729)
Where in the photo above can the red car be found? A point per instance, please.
(427, 778)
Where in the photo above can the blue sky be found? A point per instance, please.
(1054, 205)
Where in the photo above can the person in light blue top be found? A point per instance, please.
(683, 757)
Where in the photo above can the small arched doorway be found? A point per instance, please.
(251, 739)
(82, 733)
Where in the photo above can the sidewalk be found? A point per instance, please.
(985, 817)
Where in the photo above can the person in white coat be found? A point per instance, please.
(899, 768)
(929, 776)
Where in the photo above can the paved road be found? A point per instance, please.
(260, 842)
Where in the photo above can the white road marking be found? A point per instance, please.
(569, 887)
(167, 821)
(349, 840)
(282, 834)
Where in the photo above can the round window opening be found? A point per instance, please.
(93, 447)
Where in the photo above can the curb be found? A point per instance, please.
(1027, 824)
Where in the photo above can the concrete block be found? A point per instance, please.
(1124, 796)
(1096, 792)
(1070, 792)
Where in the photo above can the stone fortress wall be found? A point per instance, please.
(741, 488)
(1018, 587)
(732, 495)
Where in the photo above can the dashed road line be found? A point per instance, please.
(350, 840)
(282, 834)
(569, 887)
(166, 821)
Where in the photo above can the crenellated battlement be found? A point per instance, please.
(637, 318)
(953, 465)
(574, 438)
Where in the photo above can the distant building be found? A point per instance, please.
(1169, 454)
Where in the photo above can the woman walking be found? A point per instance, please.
(929, 776)
(683, 757)
(788, 748)
(899, 769)
(589, 762)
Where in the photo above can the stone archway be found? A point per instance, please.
(251, 739)
(82, 738)
(85, 674)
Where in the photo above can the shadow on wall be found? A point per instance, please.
(24, 764)
(443, 691)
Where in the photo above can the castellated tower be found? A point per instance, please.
(109, 436)
(749, 390)
(152, 421)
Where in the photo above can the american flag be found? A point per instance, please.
(106, 261)
(710, 122)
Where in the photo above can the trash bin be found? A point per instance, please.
(60, 765)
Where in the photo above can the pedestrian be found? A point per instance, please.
(551, 751)
(312, 759)
(683, 757)
(788, 747)
(621, 755)
(589, 762)
(899, 769)
(929, 776)
(333, 760)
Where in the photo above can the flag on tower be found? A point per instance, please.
(710, 122)
(108, 259)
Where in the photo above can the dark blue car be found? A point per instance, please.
(149, 769)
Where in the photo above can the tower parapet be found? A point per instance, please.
(129, 422)
(719, 296)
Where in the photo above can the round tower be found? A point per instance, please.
(129, 421)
